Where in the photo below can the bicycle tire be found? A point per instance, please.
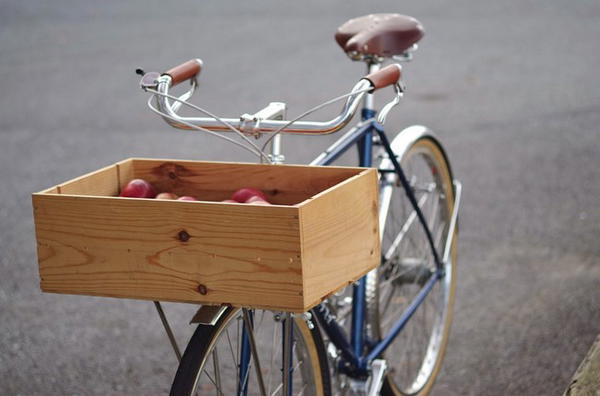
(189, 379)
(400, 277)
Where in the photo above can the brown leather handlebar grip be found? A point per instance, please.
(185, 71)
(389, 75)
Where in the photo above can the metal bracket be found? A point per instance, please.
(208, 314)
(274, 111)
(165, 322)
(250, 123)
(378, 369)
(307, 317)
(407, 55)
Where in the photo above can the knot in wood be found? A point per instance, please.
(183, 236)
(202, 289)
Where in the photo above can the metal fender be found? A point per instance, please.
(406, 138)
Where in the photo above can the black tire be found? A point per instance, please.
(189, 379)
(407, 266)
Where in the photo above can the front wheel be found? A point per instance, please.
(212, 360)
(415, 356)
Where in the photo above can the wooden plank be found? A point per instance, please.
(134, 248)
(586, 380)
(340, 236)
(103, 182)
(51, 190)
(215, 181)
(124, 173)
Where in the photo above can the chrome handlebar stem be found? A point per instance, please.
(260, 126)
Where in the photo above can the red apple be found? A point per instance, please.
(187, 198)
(243, 194)
(138, 188)
(256, 198)
(258, 202)
(166, 195)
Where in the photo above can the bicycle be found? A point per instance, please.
(402, 308)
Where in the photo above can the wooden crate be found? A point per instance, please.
(320, 234)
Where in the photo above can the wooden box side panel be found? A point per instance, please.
(103, 182)
(340, 234)
(170, 250)
(214, 181)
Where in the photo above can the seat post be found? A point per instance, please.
(365, 144)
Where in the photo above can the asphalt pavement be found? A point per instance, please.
(510, 87)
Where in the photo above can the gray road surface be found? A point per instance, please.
(512, 88)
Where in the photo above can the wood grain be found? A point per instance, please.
(132, 248)
(340, 236)
(277, 257)
(103, 182)
(283, 184)
(124, 173)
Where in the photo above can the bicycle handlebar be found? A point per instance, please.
(389, 75)
(184, 71)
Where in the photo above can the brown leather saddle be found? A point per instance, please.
(381, 35)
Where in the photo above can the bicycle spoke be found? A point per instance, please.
(260, 322)
(387, 305)
(272, 362)
(279, 387)
(254, 351)
(214, 383)
(406, 269)
(409, 222)
(302, 390)
(217, 369)
(434, 211)
(245, 380)
(231, 347)
(409, 349)
(237, 342)
(424, 335)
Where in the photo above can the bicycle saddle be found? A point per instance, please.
(383, 35)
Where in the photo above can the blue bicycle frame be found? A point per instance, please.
(358, 352)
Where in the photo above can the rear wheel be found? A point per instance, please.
(211, 362)
(415, 356)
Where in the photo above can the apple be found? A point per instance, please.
(187, 198)
(166, 195)
(243, 194)
(138, 188)
(256, 200)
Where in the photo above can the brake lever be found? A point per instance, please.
(186, 95)
(399, 88)
(151, 80)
